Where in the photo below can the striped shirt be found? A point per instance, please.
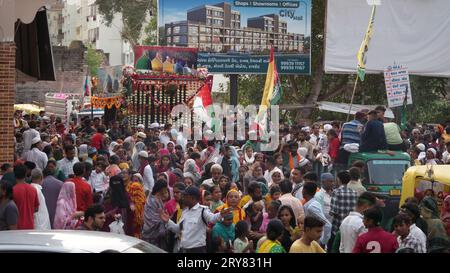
(351, 132)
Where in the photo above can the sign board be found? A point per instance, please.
(397, 82)
(169, 60)
(235, 37)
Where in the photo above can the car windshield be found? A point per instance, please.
(144, 247)
(387, 172)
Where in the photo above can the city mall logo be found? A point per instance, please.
(222, 122)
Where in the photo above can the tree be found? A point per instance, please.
(427, 92)
(94, 59)
(134, 14)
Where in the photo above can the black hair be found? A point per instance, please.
(78, 169)
(354, 173)
(30, 165)
(159, 185)
(300, 169)
(51, 161)
(179, 186)
(195, 156)
(93, 210)
(332, 132)
(311, 176)
(359, 164)
(276, 203)
(20, 171)
(7, 187)
(380, 108)
(114, 160)
(310, 189)
(275, 229)
(68, 148)
(402, 218)
(271, 160)
(286, 186)
(152, 145)
(252, 186)
(374, 214)
(101, 129)
(5, 167)
(312, 222)
(47, 172)
(240, 229)
(344, 177)
(275, 188)
(366, 198)
(88, 167)
(293, 221)
(412, 209)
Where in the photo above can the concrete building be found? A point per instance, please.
(55, 22)
(217, 28)
(83, 22)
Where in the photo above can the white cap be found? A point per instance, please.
(143, 154)
(154, 125)
(421, 147)
(306, 129)
(327, 127)
(141, 126)
(36, 140)
(432, 150)
(141, 135)
(303, 162)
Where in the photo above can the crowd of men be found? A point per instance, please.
(222, 196)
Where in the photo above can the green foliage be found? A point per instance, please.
(429, 104)
(150, 31)
(94, 59)
(134, 13)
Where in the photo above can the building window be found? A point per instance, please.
(209, 12)
(193, 30)
(208, 22)
(176, 39)
(193, 39)
(168, 31)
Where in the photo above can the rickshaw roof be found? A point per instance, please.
(441, 174)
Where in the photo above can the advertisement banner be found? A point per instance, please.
(235, 37)
(397, 83)
(170, 60)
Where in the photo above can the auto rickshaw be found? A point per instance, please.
(420, 179)
(382, 176)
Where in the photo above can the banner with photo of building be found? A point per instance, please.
(234, 37)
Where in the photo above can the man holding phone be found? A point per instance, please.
(193, 222)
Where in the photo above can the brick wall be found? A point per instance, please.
(7, 81)
(70, 71)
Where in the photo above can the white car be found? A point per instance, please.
(72, 241)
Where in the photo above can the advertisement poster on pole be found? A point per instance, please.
(397, 83)
(234, 37)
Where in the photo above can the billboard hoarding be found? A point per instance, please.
(234, 37)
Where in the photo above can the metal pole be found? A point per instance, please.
(234, 89)
(353, 96)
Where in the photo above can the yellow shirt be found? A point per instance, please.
(299, 247)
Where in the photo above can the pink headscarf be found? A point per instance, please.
(66, 206)
(446, 208)
(164, 152)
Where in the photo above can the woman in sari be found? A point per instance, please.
(271, 243)
(445, 214)
(66, 208)
(140, 146)
(136, 193)
(117, 204)
(437, 238)
(232, 201)
(155, 230)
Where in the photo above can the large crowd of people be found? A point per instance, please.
(222, 196)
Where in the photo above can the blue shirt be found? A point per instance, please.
(373, 137)
(351, 132)
(314, 209)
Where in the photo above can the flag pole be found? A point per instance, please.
(353, 96)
